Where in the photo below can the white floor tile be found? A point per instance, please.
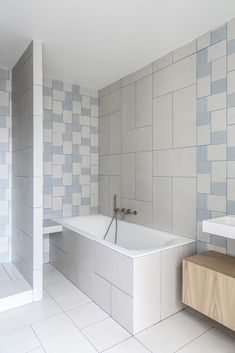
(48, 267)
(14, 287)
(105, 334)
(19, 341)
(12, 271)
(212, 341)
(173, 333)
(87, 315)
(37, 350)
(67, 295)
(59, 335)
(52, 277)
(129, 346)
(27, 314)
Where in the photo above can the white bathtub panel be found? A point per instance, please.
(146, 291)
(171, 281)
(60, 240)
(122, 308)
(101, 293)
(114, 267)
(59, 259)
(80, 261)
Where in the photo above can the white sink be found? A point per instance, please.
(223, 226)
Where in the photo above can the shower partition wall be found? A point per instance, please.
(27, 170)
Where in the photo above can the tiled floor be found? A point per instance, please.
(67, 321)
(11, 280)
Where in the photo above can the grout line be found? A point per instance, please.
(143, 344)
(10, 278)
(37, 338)
(187, 344)
(81, 332)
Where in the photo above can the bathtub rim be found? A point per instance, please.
(127, 252)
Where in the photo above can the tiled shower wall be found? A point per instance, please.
(167, 139)
(70, 150)
(5, 164)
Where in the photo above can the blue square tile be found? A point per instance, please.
(231, 46)
(58, 85)
(231, 153)
(219, 86)
(203, 119)
(219, 34)
(202, 201)
(201, 153)
(230, 207)
(203, 214)
(94, 101)
(218, 137)
(218, 241)
(76, 89)
(202, 57)
(231, 100)
(2, 84)
(68, 106)
(219, 188)
(47, 91)
(201, 105)
(203, 70)
(4, 74)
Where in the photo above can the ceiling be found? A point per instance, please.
(95, 42)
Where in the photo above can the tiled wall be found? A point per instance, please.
(166, 139)
(70, 150)
(5, 165)
(215, 132)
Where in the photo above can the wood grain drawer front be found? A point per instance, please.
(209, 292)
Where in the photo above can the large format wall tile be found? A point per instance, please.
(184, 117)
(184, 206)
(128, 175)
(162, 203)
(144, 176)
(144, 101)
(176, 76)
(137, 140)
(162, 122)
(128, 107)
(175, 162)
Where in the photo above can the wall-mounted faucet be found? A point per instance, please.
(127, 211)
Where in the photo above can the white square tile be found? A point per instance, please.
(19, 341)
(52, 277)
(66, 294)
(37, 350)
(27, 314)
(59, 335)
(105, 334)
(130, 345)
(87, 315)
(170, 335)
(212, 341)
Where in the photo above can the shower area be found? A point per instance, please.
(21, 183)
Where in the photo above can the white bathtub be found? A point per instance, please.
(137, 281)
